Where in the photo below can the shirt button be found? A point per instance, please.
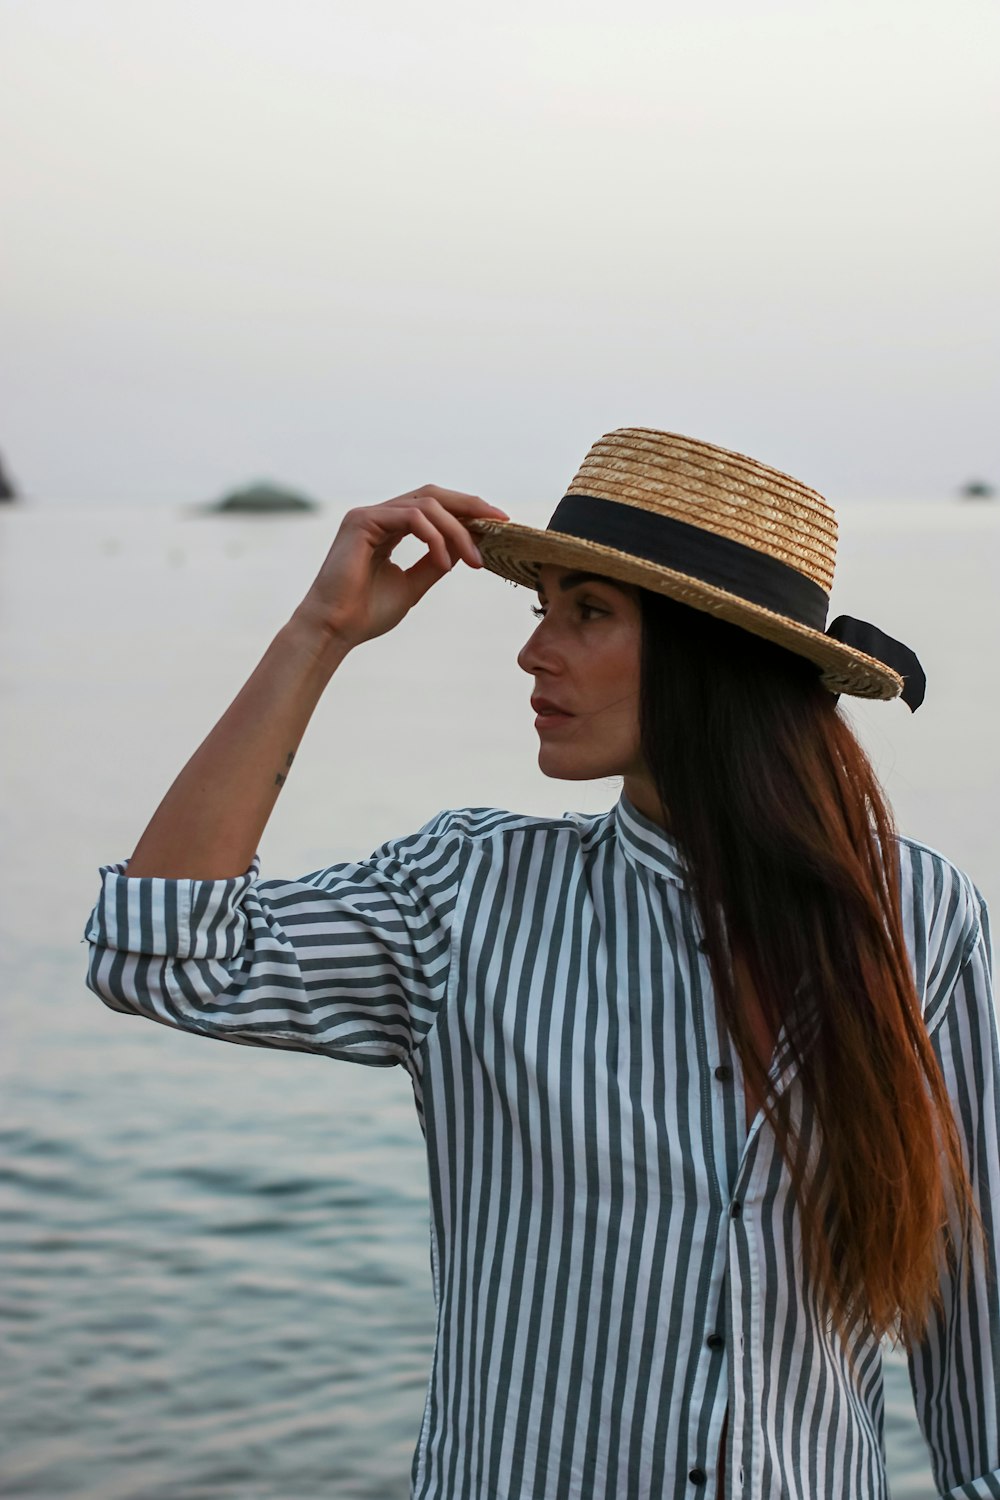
(697, 1476)
(736, 1209)
(723, 1073)
(715, 1341)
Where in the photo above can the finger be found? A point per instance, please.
(459, 539)
(437, 545)
(456, 501)
(387, 525)
(427, 519)
(422, 576)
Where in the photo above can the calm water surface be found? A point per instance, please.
(216, 1272)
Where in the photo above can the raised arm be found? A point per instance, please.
(209, 824)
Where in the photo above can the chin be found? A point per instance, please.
(567, 767)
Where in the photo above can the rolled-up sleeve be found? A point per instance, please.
(352, 961)
(955, 1368)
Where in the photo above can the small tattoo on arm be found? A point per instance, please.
(289, 758)
(280, 778)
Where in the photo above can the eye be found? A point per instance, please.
(590, 610)
(587, 611)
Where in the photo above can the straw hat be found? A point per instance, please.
(715, 530)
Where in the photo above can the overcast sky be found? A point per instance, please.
(354, 245)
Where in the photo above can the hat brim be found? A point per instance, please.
(517, 552)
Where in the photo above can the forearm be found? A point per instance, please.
(210, 822)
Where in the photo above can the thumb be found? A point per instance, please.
(423, 576)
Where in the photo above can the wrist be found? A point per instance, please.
(315, 639)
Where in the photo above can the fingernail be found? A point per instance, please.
(477, 554)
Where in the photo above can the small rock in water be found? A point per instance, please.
(977, 489)
(261, 499)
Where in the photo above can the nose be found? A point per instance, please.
(537, 655)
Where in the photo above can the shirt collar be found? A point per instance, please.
(646, 843)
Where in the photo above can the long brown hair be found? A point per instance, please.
(792, 850)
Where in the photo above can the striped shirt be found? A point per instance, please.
(615, 1255)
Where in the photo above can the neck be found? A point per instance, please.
(642, 794)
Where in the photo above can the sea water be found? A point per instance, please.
(215, 1277)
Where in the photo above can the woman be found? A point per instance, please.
(709, 1083)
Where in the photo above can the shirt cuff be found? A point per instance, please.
(170, 918)
(985, 1488)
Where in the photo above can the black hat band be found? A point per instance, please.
(716, 560)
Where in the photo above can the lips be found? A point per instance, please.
(544, 706)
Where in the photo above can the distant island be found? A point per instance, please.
(7, 490)
(263, 498)
(977, 489)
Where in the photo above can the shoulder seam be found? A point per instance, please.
(920, 848)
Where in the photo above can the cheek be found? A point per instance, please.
(620, 668)
(615, 686)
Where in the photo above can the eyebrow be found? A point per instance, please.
(573, 580)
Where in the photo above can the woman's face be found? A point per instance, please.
(584, 656)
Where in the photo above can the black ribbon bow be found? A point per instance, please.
(874, 642)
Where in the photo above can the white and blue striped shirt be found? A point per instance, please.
(616, 1257)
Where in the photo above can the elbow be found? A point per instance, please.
(107, 977)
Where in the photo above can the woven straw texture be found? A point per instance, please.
(720, 491)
